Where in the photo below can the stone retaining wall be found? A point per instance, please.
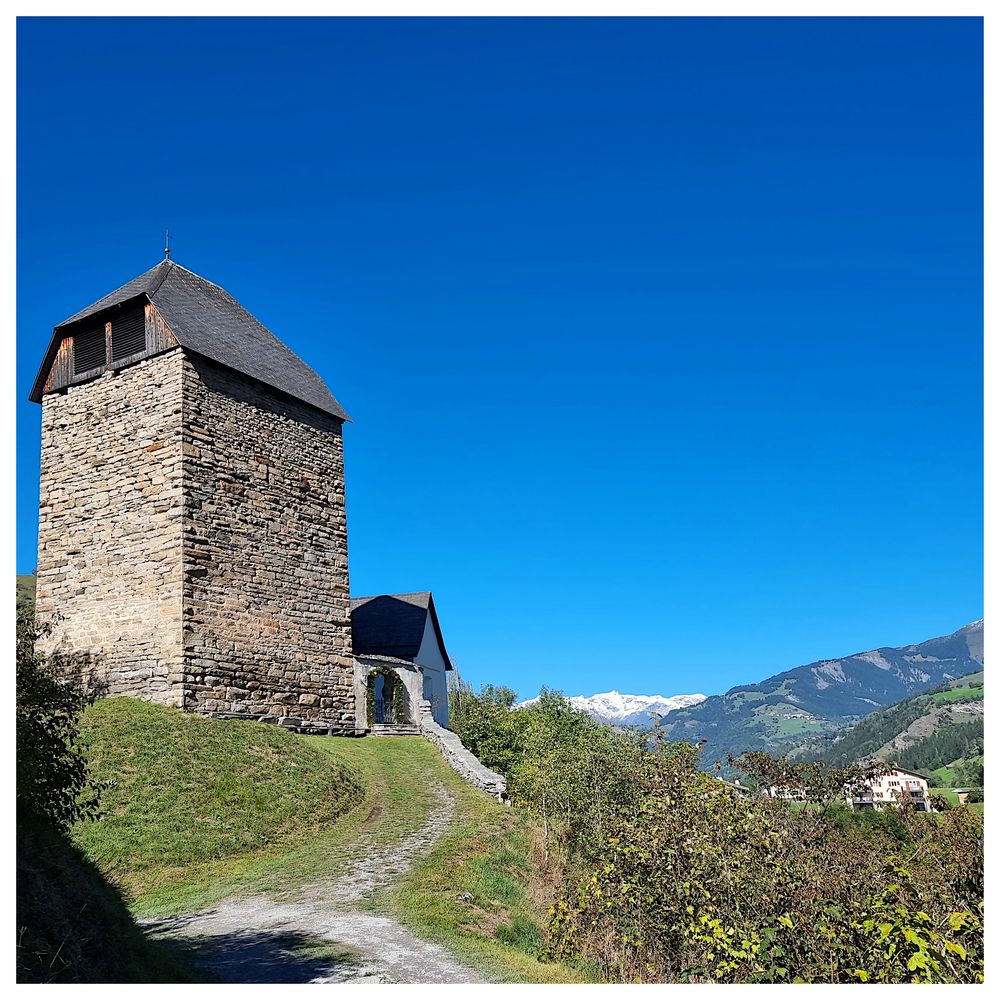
(459, 758)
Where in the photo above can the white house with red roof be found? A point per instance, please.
(896, 786)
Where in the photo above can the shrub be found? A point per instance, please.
(72, 925)
(699, 884)
(53, 782)
(672, 876)
(576, 774)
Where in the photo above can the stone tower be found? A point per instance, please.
(192, 532)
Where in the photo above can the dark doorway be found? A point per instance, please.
(387, 698)
(383, 699)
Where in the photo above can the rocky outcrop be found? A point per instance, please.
(458, 757)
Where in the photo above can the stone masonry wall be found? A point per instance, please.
(459, 758)
(266, 594)
(109, 561)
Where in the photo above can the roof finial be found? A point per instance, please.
(166, 249)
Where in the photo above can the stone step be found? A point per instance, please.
(378, 730)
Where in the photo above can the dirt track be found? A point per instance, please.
(322, 935)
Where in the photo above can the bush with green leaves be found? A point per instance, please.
(53, 781)
(575, 773)
(671, 875)
(700, 884)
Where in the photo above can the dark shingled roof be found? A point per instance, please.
(393, 625)
(206, 319)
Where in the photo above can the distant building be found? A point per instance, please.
(735, 786)
(893, 788)
(786, 793)
(964, 793)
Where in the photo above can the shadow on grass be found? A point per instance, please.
(73, 926)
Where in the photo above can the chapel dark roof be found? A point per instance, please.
(206, 319)
(393, 625)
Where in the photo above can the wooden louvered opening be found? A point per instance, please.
(128, 335)
(88, 350)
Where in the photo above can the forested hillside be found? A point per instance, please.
(819, 699)
(942, 728)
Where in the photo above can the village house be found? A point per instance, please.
(400, 658)
(734, 786)
(192, 524)
(965, 794)
(892, 788)
(787, 793)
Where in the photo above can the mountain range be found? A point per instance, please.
(615, 709)
(940, 730)
(800, 705)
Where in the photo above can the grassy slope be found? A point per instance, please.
(184, 828)
(868, 737)
(944, 777)
(25, 590)
(952, 796)
(962, 693)
(179, 808)
(484, 890)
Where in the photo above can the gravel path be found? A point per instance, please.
(323, 937)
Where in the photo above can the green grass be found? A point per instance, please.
(942, 777)
(484, 890)
(768, 720)
(958, 694)
(201, 809)
(74, 926)
(319, 949)
(25, 590)
(949, 775)
(189, 801)
(747, 696)
(797, 727)
(948, 793)
(968, 680)
(952, 796)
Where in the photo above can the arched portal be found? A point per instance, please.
(383, 691)
(387, 700)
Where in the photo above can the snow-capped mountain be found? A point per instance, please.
(617, 709)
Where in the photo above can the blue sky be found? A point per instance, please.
(662, 338)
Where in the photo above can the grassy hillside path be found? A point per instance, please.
(280, 857)
(321, 934)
